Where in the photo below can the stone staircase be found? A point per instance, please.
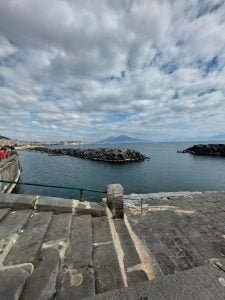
(50, 249)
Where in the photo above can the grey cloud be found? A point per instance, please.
(61, 63)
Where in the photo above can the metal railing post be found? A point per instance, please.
(81, 195)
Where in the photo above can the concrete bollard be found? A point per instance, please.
(115, 200)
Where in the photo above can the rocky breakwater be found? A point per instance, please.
(206, 149)
(113, 155)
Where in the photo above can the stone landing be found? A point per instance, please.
(180, 230)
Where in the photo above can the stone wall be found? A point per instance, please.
(9, 170)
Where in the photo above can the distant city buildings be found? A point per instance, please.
(18, 143)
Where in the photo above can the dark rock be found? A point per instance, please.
(100, 154)
(206, 149)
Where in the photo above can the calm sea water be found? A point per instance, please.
(166, 171)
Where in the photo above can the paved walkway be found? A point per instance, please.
(180, 232)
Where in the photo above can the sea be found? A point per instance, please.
(166, 171)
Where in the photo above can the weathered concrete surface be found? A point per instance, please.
(75, 256)
(77, 284)
(17, 201)
(42, 283)
(180, 232)
(97, 210)
(77, 275)
(12, 282)
(131, 260)
(4, 213)
(202, 283)
(59, 228)
(81, 240)
(13, 223)
(54, 204)
(60, 205)
(26, 248)
(107, 271)
(101, 230)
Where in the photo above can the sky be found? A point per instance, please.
(88, 69)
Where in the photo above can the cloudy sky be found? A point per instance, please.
(87, 69)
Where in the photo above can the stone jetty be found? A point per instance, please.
(153, 246)
(206, 149)
(112, 155)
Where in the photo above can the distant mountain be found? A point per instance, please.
(3, 138)
(119, 139)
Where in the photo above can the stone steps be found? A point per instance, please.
(131, 259)
(72, 256)
(63, 249)
(27, 247)
(201, 283)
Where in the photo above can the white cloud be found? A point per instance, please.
(154, 69)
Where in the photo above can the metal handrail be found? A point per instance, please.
(56, 186)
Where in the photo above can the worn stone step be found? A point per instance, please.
(93, 208)
(106, 266)
(201, 283)
(13, 222)
(79, 251)
(58, 205)
(17, 201)
(59, 228)
(77, 283)
(10, 226)
(42, 283)
(107, 270)
(12, 281)
(77, 276)
(135, 277)
(29, 242)
(101, 230)
(131, 257)
(3, 213)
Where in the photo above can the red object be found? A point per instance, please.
(4, 154)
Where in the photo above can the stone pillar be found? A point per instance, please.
(115, 200)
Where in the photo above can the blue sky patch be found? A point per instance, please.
(169, 68)
(209, 91)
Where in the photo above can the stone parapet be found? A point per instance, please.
(115, 200)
